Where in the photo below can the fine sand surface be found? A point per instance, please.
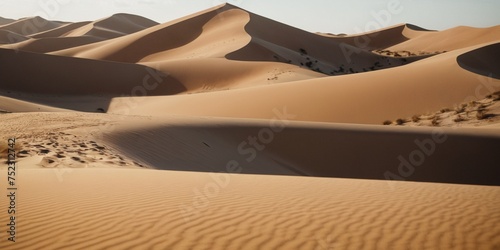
(151, 209)
(228, 130)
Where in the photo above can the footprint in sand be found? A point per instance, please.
(44, 151)
(49, 162)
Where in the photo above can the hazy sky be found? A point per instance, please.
(335, 16)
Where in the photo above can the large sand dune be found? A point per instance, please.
(290, 121)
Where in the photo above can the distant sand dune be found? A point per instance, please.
(451, 39)
(8, 37)
(112, 27)
(45, 45)
(30, 26)
(146, 42)
(59, 31)
(4, 21)
(397, 92)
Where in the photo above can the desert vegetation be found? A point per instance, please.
(475, 113)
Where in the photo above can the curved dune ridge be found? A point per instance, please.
(4, 21)
(7, 37)
(397, 92)
(482, 61)
(307, 149)
(75, 34)
(31, 25)
(228, 130)
(114, 26)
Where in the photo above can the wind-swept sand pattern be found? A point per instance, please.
(251, 212)
(228, 130)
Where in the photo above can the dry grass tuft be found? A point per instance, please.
(444, 110)
(459, 119)
(436, 121)
(387, 122)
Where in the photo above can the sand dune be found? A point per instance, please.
(250, 212)
(4, 21)
(45, 45)
(238, 35)
(30, 26)
(7, 37)
(141, 44)
(114, 26)
(77, 34)
(59, 31)
(451, 39)
(209, 145)
(326, 99)
(228, 130)
(41, 74)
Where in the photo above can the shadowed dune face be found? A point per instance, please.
(4, 21)
(7, 37)
(46, 45)
(482, 61)
(428, 155)
(41, 74)
(135, 47)
(328, 55)
(59, 31)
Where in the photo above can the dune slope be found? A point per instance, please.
(397, 92)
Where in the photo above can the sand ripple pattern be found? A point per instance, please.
(139, 209)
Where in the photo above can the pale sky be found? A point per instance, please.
(334, 16)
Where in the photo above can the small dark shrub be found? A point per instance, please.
(387, 122)
(459, 119)
(481, 115)
(444, 110)
(436, 121)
